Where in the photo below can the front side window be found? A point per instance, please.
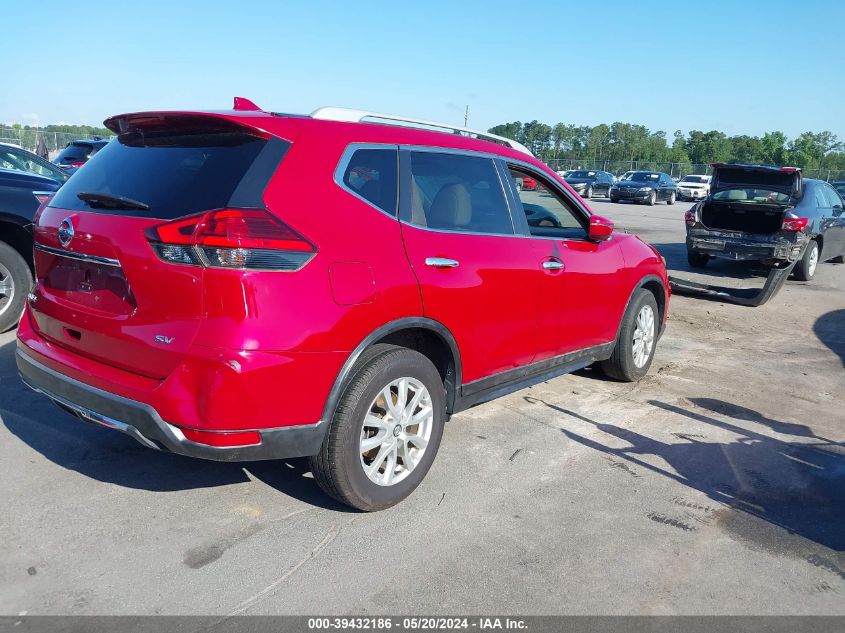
(372, 174)
(454, 192)
(548, 213)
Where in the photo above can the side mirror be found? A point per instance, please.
(601, 229)
(837, 209)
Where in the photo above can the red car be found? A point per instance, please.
(243, 285)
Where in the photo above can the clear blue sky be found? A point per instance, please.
(742, 66)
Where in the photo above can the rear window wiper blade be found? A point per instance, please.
(110, 201)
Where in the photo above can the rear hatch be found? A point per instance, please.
(102, 290)
(751, 198)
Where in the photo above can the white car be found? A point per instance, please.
(694, 187)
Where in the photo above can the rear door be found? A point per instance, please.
(476, 276)
(102, 290)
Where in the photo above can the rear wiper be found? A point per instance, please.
(110, 201)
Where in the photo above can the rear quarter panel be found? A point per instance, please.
(356, 244)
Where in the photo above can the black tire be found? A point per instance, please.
(805, 270)
(671, 199)
(614, 200)
(652, 198)
(337, 468)
(697, 260)
(16, 282)
(588, 193)
(621, 365)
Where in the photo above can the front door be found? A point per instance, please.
(476, 276)
(588, 288)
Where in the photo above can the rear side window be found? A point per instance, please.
(372, 174)
(176, 174)
(833, 198)
(453, 192)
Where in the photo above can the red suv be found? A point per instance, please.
(244, 285)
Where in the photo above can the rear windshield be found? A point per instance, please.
(75, 152)
(581, 174)
(752, 196)
(695, 179)
(175, 174)
(642, 176)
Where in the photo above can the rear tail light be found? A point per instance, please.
(232, 238)
(792, 223)
(76, 163)
(690, 216)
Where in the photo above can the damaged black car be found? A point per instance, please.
(767, 214)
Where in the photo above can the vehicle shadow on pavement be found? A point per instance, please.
(112, 457)
(796, 486)
(830, 328)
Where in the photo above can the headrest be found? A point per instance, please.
(452, 207)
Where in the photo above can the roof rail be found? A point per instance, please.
(363, 116)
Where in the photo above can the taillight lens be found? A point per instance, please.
(232, 238)
(690, 216)
(792, 223)
(76, 163)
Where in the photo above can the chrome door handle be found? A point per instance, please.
(551, 264)
(440, 262)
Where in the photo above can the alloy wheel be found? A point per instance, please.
(644, 335)
(811, 264)
(7, 289)
(396, 431)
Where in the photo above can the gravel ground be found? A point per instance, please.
(714, 486)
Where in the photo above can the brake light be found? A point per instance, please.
(232, 238)
(690, 216)
(794, 224)
(76, 163)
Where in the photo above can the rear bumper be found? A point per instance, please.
(722, 245)
(142, 422)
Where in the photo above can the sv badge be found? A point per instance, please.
(167, 340)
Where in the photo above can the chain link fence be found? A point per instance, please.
(30, 138)
(676, 170)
